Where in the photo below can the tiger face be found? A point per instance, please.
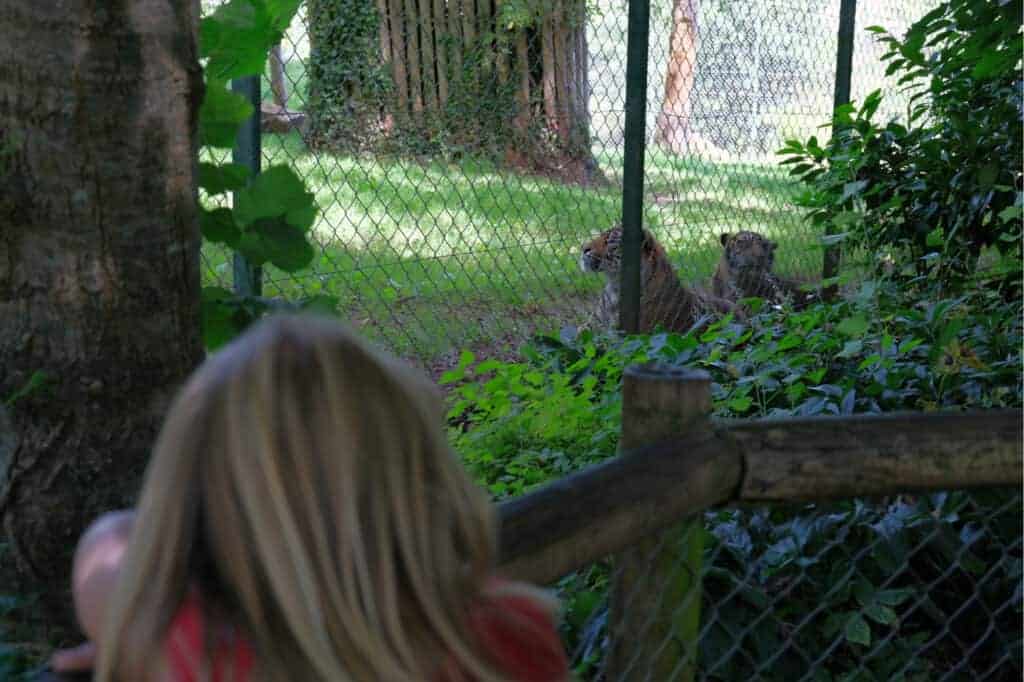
(603, 253)
(748, 252)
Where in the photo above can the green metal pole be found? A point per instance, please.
(841, 96)
(638, 29)
(248, 280)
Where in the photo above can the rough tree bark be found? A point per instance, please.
(672, 130)
(278, 86)
(276, 117)
(99, 262)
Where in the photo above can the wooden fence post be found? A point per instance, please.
(654, 615)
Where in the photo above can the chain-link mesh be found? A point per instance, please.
(460, 226)
(913, 588)
(762, 72)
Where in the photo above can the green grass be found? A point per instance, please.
(435, 256)
(432, 257)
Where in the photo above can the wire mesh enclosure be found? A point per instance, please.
(912, 588)
(461, 152)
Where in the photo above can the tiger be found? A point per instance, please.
(664, 300)
(745, 271)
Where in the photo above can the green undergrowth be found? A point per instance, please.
(557, 409)
(866, 583)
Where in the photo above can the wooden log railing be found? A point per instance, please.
(605, 508)
(624, 506)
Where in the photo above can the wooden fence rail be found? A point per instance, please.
(605, 508)
(679, 463)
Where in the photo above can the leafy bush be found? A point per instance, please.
(864, 587)
(946, 183)
(841, 572)
(520, 423)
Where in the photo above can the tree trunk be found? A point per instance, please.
(672, 130)
(278, 86)
(455, 36)
(502, 46)
(412, 55)
(523, 91)
(547, 59)
(398, 64)
(99, 263)
(427, 43)
(515, 92)
(441, 52)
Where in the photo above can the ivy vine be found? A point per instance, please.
(273, 212)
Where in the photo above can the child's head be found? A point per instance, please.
(303, 482)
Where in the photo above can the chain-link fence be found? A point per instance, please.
(461, 152)
(912, 588)
(828, 571)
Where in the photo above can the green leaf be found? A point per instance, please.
(272, 240)
(218, 318)
(991, 62)
(883, 615)
(893, 597)
(857, 630)
(321, 304)
(220, 115)
(851, 189)
(815, 376)
(851, 348)
(220, 178)
(855, 325)
(236, 37)
(302, 217)
(935, 238)
(988, 174)
(790, 340)
(282, 11)
(741, 404)
(36, 381)
(276, 193)
(218, 226)
(1011, 214)
(871, 104)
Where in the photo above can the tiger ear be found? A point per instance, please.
(724, 238)
(647, 244)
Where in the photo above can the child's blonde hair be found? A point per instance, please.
(303, 482)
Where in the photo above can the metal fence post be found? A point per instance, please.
(841, 96)
(655, 608)
(633, 163)
(248, 279)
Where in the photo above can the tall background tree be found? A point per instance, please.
(99, 254)
(673, 130)
(493, 76)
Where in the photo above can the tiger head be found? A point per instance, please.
(748, 252)
(603, 253)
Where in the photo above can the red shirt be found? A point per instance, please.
(516, 634)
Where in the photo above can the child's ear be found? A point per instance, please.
(724, 238)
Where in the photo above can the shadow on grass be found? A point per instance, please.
(433, 256)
